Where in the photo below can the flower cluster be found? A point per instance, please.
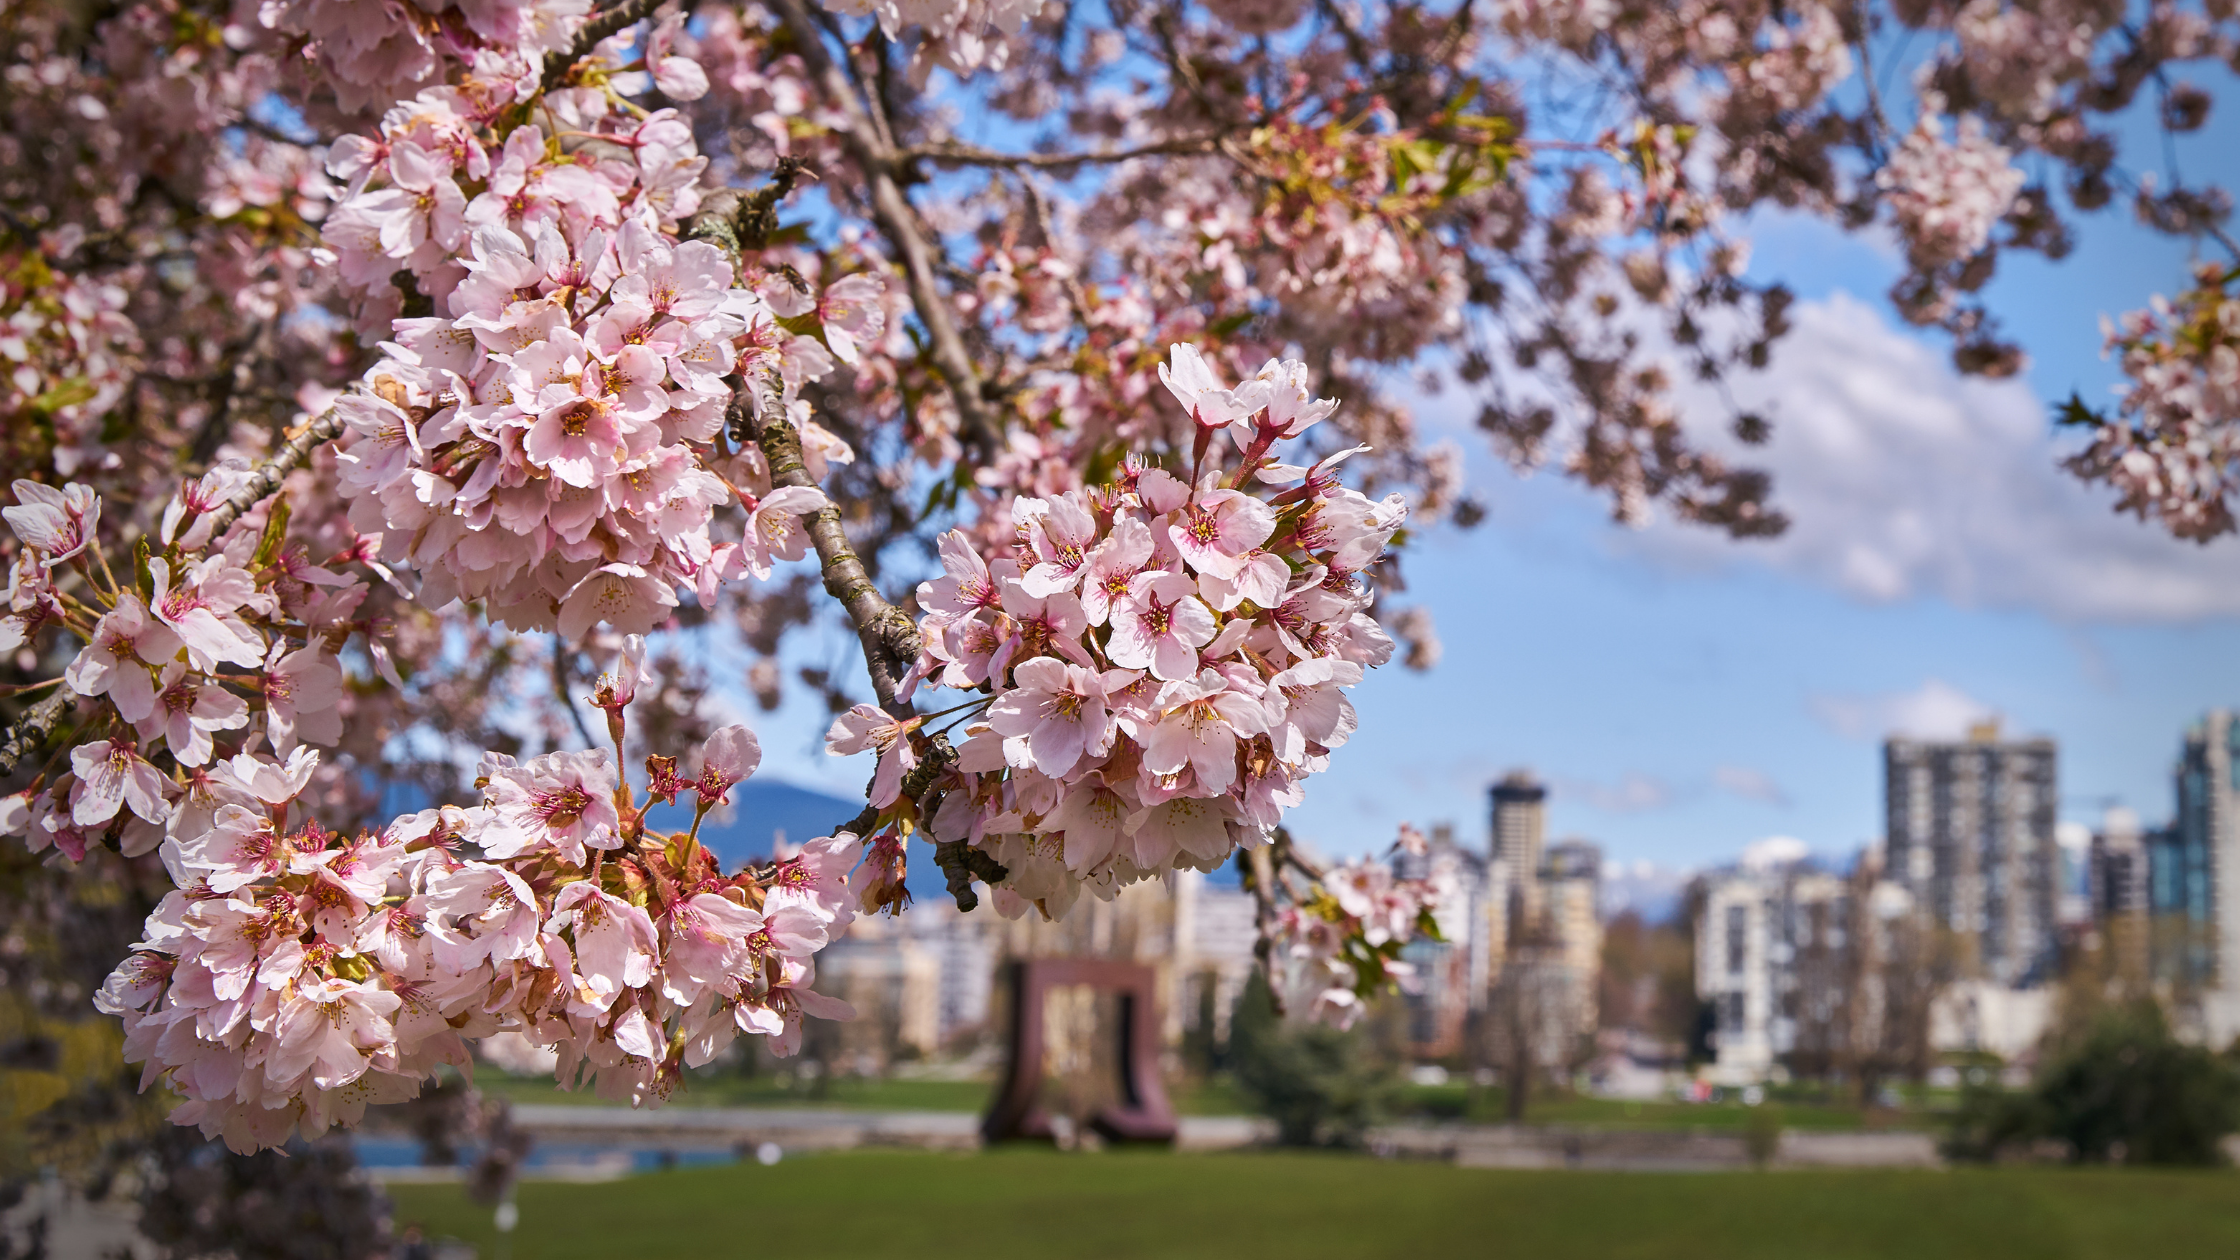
(2174, 454)
(1167, 658)
(65, 355)
(1947, 195)
(1341, 945)
(953, 33)
(186, 653)
(374, 55)
(299, 974)
(547, 441)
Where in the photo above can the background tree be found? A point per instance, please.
(381, 375)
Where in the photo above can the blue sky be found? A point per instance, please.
(1685, 695)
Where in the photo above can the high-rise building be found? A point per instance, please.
(1762, 927)
(1571, 883)
(2116, 889)
(2193, 878)
(1971, 836)
(1520, 829)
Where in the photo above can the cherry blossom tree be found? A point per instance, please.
(391, 386)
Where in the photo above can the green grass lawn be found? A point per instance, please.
(1220, 1098)
(1210, 1098)
(1041, 1203)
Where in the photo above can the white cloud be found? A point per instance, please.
(1749, 784)
(1934, 710)
(1903, 479)
(1773, 851)
(1649, 889)
(1634, 794)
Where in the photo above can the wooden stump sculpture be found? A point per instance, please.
(1142, 1113)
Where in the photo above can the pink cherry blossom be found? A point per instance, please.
(126, 641)
(729, 756)
(1211, 405)
(615, 943)
(562, 800)
(1159, 626)
(111, 776)
(1199, 723)
(1060, 536)
(201, 609)
(865, 727)
(1220, 529)
(187, 710)
(1052, 715)
(303, 695)
(1112, 566)
(773, 533)
(57, 523)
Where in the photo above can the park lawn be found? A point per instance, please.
(1021, 1203)
(854, 1093)
(1585, 1111)
(1218, 1097)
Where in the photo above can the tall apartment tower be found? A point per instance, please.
(1970, 835)
(2117, 891)
(2196, 868)
(1520, 832)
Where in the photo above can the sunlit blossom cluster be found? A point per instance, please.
(238, 645)
(1947, 195)
(1341, 944)
(2172, 453)
(66, 354)
(376, 54)
(1167, 655)
(548, 440)
(300, 974)
(959, 35)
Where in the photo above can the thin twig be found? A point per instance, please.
(591, 34)
(33, 730)
(888, 636)
(953, 154)
(568, 702)
(1260, 877)
(266, 480)
(898, 222)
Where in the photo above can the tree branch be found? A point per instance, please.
(1260, 878)
(890, 645)
(735, 223)
(897, 221)
(602, 24)
(888, 636)
(952, 154)
(266, 480)
(34, 729)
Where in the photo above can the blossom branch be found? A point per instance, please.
(32, 732)
(266, 480)
(953, 154)
(602, 24)
(897, 221)
(734, 222)
(889, 638)
(1261, 878)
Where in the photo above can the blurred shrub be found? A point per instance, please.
(1322, 1087)
(1761, 1134)
(2121, 1089)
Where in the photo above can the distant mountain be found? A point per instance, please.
(1644, 887)
(763, 809)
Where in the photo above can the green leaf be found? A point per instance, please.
(68, 394)
(275, 534)
(2075, 413)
